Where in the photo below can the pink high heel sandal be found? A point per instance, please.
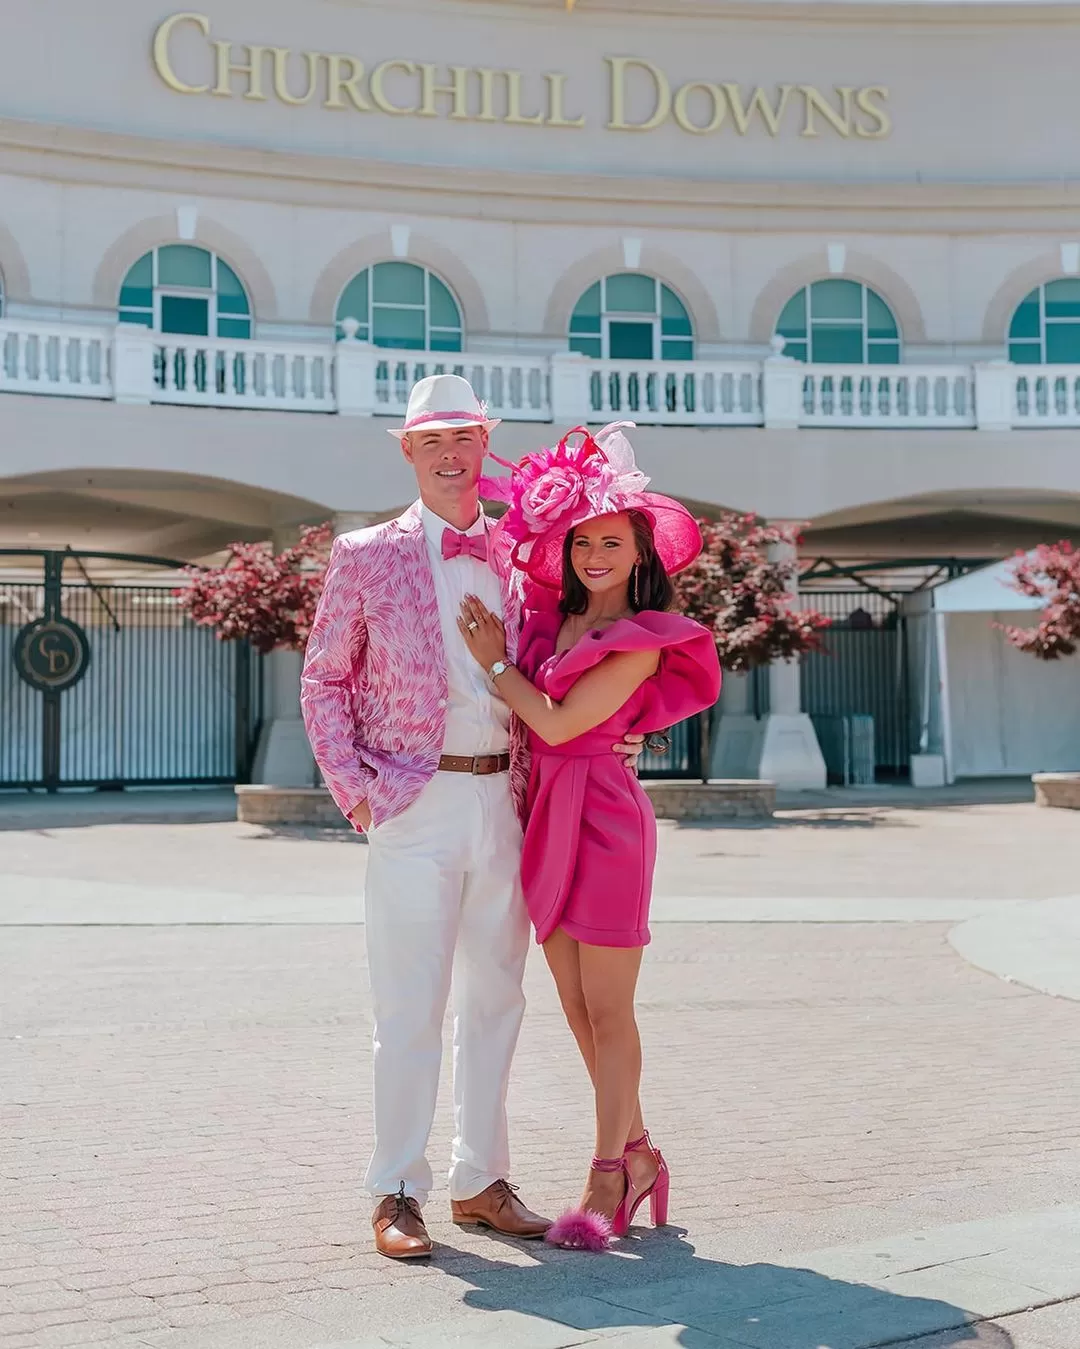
(583, 1229)
(658, 1192)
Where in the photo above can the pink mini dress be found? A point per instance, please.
(590, 833)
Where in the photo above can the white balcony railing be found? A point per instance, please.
(676, 393)
(55, 358)
(516, 390)
(1046, 395)
(133, 365)
(239, 374)
(888, 396)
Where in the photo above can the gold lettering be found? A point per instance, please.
(742, 114)
(59, 659)
(682, 107)
(880, 116)
(162, 62)
(253, 70)
(661, 85)
(816, 102)
(378, 91)
(458, 91)
(281, 83)
(337, 82)
(556, 103)
(514, 115)
(487, 95)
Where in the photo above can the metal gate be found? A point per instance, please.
(111, 685)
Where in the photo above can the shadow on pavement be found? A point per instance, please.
(762, 1306)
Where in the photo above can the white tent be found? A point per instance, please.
(988, 709)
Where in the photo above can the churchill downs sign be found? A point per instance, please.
(640, 95)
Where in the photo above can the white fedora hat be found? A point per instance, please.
(441, 402)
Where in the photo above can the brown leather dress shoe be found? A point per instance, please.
(399, 1228)
(499, 1208)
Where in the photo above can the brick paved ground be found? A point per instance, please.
(184, 1110)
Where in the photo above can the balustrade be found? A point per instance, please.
(888, 396)
(241, 374)
(54, 358)
(675, 393)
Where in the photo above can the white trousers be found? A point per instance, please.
(444, 904)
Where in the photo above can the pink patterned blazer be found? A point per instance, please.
(374, 690)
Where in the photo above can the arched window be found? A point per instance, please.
(839, 322)
(632, 317)
(179, 288)
(1045, 329)
(401, 305)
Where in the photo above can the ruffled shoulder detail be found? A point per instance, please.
(686, 682)
(537, 641)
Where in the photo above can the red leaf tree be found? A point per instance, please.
(1051, 573)
(745, 597)
(260, 596)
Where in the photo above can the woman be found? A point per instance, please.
(608, 659)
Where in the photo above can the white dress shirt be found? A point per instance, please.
(477, 719)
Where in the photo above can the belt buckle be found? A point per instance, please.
(475, 770)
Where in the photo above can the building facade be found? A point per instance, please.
(827, 256)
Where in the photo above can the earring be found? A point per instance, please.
(635, 593)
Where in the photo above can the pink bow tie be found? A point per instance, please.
(464, 545)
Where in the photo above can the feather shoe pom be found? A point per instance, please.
(580, 1230)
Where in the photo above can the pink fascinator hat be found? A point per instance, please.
(553, 491)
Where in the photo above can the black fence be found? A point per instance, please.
(160, 701)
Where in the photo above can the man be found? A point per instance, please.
(418, 750)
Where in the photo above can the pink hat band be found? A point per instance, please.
(478, 417)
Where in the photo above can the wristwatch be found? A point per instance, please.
(500, 667)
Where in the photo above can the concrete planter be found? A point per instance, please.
(1057, 789)
(312, 807)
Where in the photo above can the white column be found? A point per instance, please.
(354, 374)
(133, 363)
(283, 757)
(570, 402)
(781, 389)
(782, 746)
(994, 384)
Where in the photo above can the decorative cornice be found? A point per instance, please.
(105, 158)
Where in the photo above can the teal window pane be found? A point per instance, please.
(399, 328)
(398, 283)
(879, 319)
(630, 293)
(841, 345)
(676, 327)
(232, 298)
(792, 322)
(354, 300)
(445, 341)
(677, 351)
(183, 265)
(588, 323)
(136, 297)
(796, 350)
(630, 341)
(142, 273)
(1025, 322)
(883, 353)
(672, 308)
(1063, 343)
(836, 300)
(146, 320)
(1063, 299)
(234, 327)
(185, 314)
(588, 307)
(1025, 353)
(587, 346)
(444, 310)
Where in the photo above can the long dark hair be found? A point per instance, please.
(654, 588)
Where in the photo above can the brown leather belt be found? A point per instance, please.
(480, 764)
